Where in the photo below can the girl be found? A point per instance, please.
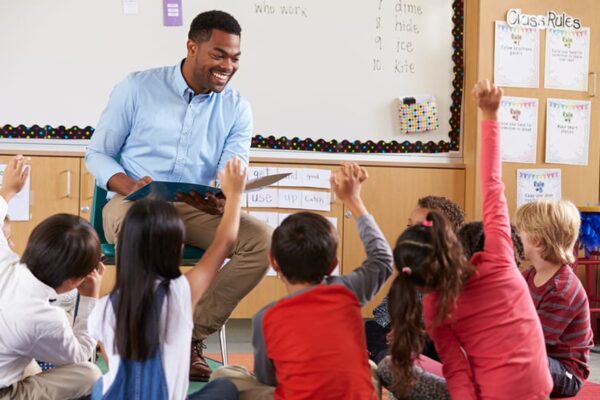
(145, 324)
(478, 314)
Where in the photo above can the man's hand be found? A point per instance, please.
(488, 96)
(124, 185)
(210, 204)
(141, 183)
(15, 176)
(90, 287)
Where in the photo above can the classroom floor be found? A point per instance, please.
(240, 348)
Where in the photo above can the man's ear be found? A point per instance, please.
(192, 46)
(334, 264)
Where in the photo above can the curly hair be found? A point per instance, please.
(452, 211)
(472, 239)
(202, 26)
(428, 257)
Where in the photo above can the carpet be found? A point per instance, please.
(590, 391)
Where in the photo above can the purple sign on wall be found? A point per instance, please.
(172, 13)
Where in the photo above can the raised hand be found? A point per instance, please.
(233, 177)
(346, 182)
(15, 176)
(487, 96)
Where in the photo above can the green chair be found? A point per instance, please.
(191, 254)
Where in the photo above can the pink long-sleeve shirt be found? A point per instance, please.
(492, 347)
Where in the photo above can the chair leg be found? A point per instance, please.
(223, 343)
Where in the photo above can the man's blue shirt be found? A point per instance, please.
(155, 126)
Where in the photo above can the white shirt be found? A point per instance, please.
(30, 327)
(175, 347)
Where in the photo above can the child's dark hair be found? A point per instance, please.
(472, 238)
(62, 247)
(149, 249)
(305, 247)
(428, 257)
(452, 211)
(202, 26)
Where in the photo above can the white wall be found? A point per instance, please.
(307, 76)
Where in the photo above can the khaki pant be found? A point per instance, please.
(247, 266)
(66, 382)
(251, 389)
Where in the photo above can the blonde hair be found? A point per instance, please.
(554, 225)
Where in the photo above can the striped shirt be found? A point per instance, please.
(563, 308)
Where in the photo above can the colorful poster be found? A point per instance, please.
(538, 184)
(567, 59)
(516, 56)
(567, 131)
(518, 118)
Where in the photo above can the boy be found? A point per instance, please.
(311, 343)
(549, 230)
(63, 253)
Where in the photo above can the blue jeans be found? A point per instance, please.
(566, 384)
(219, 389)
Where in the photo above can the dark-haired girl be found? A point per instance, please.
(145, 324)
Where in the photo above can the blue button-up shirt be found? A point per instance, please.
(155, 126)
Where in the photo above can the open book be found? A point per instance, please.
(168, 190)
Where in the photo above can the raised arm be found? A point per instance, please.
(496, 223)
(366, 280)
(233, 178)
(15, 176)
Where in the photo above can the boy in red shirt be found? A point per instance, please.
(311, 344)
(549, 230)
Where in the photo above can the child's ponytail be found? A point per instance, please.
(408, 334)
(429, 258)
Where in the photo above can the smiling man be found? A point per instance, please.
(181, 124)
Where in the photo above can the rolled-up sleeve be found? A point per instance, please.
(238, 140)
(101, 156)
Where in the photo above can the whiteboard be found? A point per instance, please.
(327, 69)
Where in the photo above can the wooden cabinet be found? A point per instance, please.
(54, 189)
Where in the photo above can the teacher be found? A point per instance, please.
(181, 124)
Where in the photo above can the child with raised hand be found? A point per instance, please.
(311, 343)
(63, 252)
(478, 313)
(549, 230)
(145, 324)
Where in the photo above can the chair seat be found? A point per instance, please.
(191, 254)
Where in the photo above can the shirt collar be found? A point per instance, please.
(40, 289)
(181, 85)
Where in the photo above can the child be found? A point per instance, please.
(472, 238)
(63, 252)
(145, 324)
(378, 329)
(549, 230)
(479, 314)
(311, 343)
